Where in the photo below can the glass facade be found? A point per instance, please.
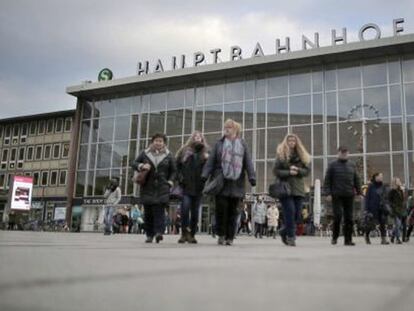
(366, 105)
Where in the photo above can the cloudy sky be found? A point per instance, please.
(47, 45)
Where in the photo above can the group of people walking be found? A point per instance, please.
(224, 168)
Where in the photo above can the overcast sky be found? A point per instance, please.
(47, 45)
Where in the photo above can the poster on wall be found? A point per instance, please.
(21, 197)
(60, 213)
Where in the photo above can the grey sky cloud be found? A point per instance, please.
(48, 45)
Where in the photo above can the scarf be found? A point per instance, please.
(232, 158)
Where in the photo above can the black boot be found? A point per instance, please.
(158, 238)
(384, 241)
(367, 240)
(191, 238)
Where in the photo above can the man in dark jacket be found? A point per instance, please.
(341, 184)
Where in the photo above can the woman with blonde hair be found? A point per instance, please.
(230, 157)
(292, 165)
(191, 159)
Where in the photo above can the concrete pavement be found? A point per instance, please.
(84, 271)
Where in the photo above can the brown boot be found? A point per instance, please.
(184, 236)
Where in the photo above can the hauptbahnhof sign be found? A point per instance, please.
(236, 52)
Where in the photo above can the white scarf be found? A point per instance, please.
(232, 158)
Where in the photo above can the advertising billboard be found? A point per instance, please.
(21, 196)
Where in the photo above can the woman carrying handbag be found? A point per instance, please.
(292, 165)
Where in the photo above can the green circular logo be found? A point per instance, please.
(105, 75)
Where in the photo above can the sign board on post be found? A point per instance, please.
(60, 213)
(21, 196)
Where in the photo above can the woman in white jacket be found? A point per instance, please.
(272, 220)
(113, 197)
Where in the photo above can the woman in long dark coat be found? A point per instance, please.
(231, 157)
(191, 159)
(155, 193)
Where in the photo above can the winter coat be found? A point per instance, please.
(189, 170)
(156, 189)
(272, 216)
(341, 179)
(282, 171)
(231, 188)
(113, 197)
(396, 199)
(375, 199)
(259, 213)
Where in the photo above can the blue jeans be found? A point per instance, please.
(396, 232)
(292, 208)
(190, 204)
(108, 214)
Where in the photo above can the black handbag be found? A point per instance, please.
(279, 189)
(214, 184)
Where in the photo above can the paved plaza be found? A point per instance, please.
(81, 271)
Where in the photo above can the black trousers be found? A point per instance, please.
(343, 206)
(226, 215)
(154, 219)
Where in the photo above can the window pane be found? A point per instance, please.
(53, 178)
(378, 138)
(188, 121)
(248, 115)
(300, 83)
(277, 86)
(398, 166)
(175, 122)
(92, 156)
(189, 97)
(350, 134)
(235, 112)
(213, 118)
(317, 78)
(101, 181)
(379, 163)
(395, 100)
(260, 174)
(174, 143)
(56, 151)
(330, 80)
(83, 153)
(123, 106)
(277, 112)
(234, 91)
(305, 135)
(214, 94)
(158, 101)
(397, 134)
(122, 128)
(410, 132)
(105, 108)
(156, 123)
(261, 88)
(408, 69)
(248, 138)
(347, 100)
(300, 108)
(394, 72)
(349, 77)
(261, 114)
(59, 125)
(409, 98)
(317, 140)
(260, 144)
(86, 110)
(332, 139)
(317, 108)
(104, 156)
(132, 151)
(62, 178)
(106, 128)
(249, 88)
(331, 110)
(199, 119)
(318, 171)
(120, 154)
(85, 131)
(274, 137)
(375, 74)
(377, 98)
(175, 99)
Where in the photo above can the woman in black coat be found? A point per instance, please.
(155, 193)
(191, 159)
(375, 207)
(231, 158)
